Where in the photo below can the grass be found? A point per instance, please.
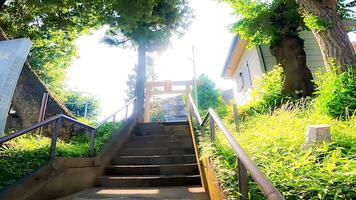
(26, 153)
(274, 140)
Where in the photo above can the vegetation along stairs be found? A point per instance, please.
(154, 155)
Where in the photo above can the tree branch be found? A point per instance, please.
(349, 23)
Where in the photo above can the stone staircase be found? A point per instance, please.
(154, 155)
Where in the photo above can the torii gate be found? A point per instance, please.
(152, 88)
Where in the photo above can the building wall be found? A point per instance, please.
(249, 68)
(314, 58)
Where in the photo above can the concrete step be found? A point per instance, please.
(163, 137)
(152, 129)
(151, 144)
(161, 132)
(147, 181)
(191, 169)
(137, 151)
(154, 160)
(141, 193)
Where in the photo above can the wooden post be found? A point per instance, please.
(54, 137)
(236, 115)
(243, 181)
(43, 108)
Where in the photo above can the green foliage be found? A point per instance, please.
(272, 132)
(336, 93)
(314, 23)
(53, 26)
(148, 23)
(209, 96)
(76, 102)
(23, 155)
(267, 94)
(346, 9)
(274, 141)
(266, 22)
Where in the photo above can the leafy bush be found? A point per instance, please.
(336, 93)
(209, 96)
(274, 140)
(24, 154)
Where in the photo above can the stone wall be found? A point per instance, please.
(27, 102)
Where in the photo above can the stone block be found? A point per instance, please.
(317, 134)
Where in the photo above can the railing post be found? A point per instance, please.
(91, 145)
(243, 182)
(212, 129)
(202, 131)
(113, 124)
(55, 133)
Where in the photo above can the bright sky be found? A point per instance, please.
(102, 70)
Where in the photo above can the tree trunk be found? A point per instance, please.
(140, 81)
(289, 52)
(333, 40)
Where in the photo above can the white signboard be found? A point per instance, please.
(13, 54)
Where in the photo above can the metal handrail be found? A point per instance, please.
(113, 115)
(244, 161)
(58, 120)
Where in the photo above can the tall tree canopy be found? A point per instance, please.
(53, 26)
(148, 25)
(323, 17)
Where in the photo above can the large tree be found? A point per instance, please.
(277, 23)
(323, 18)
(147, 25)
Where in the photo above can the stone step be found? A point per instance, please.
(190, 169)
(141, 193)
(170, 143)
(147, 181)
(151, 129)
(163, 137)
(137, 151)
(161, 132)
(154, 160)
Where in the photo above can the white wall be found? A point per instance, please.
(314, 58)
(248, 69)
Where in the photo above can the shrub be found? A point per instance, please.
(267, 94)
(336, 93)
(24, 154)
